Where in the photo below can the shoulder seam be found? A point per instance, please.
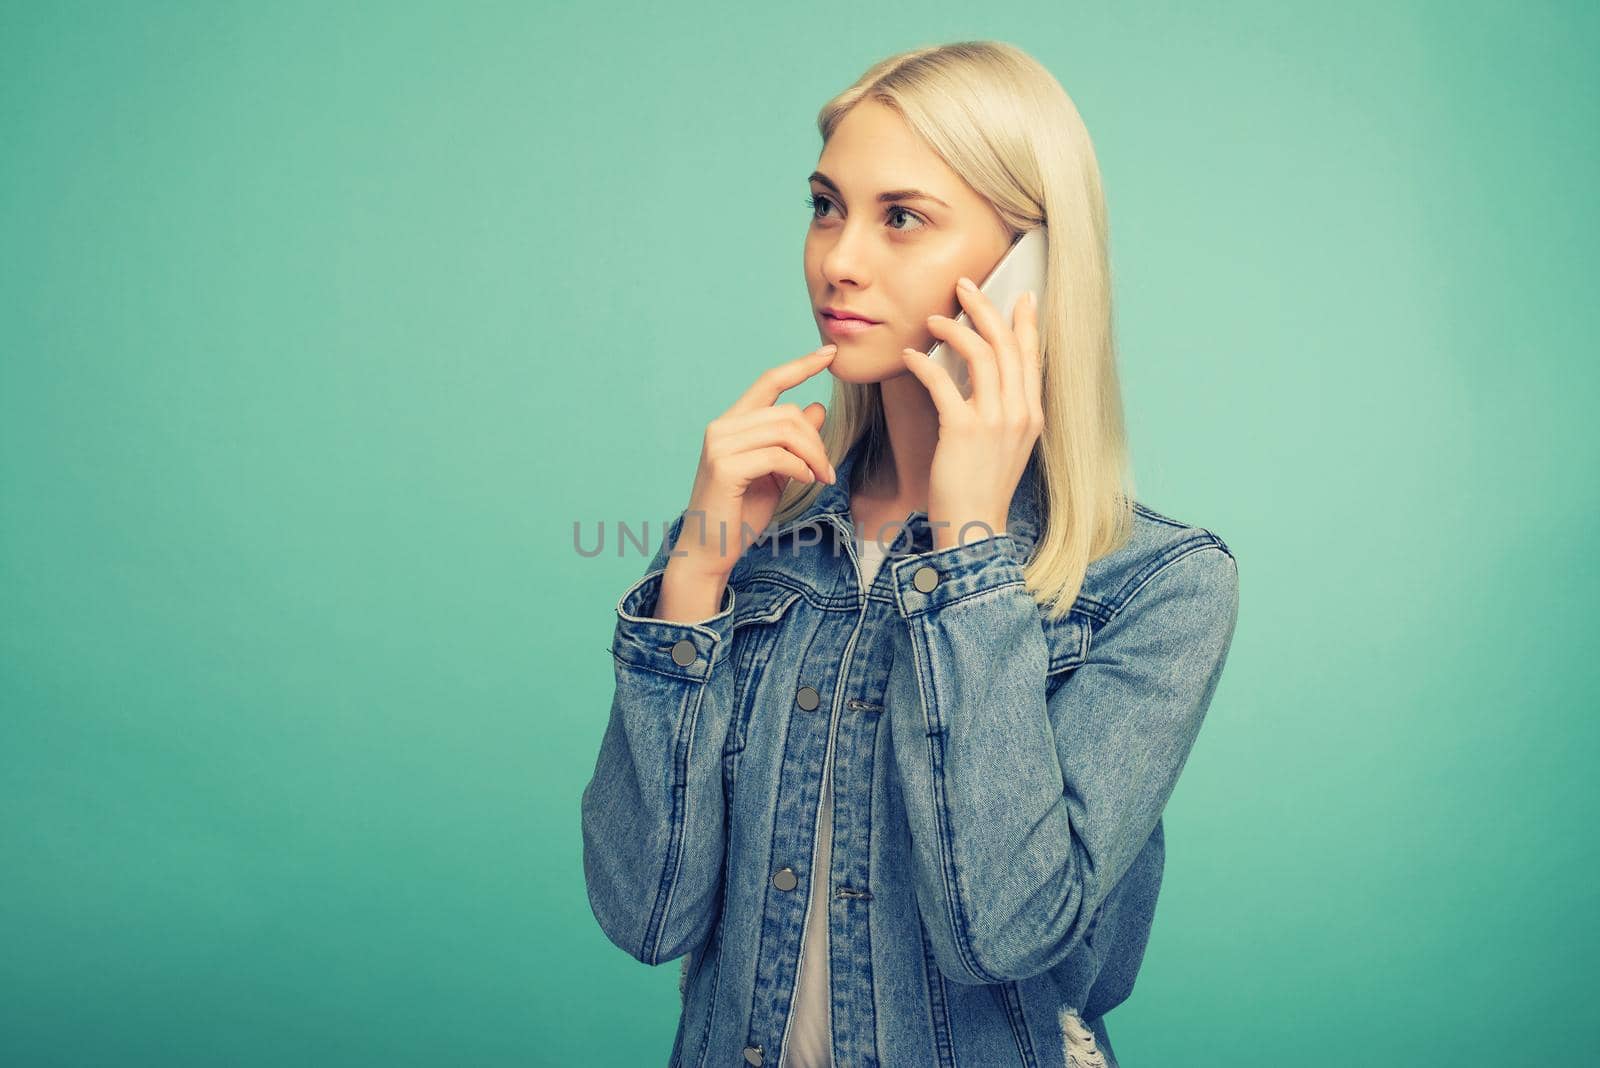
(1186, 549)
(1151, 513)
(1166, 520)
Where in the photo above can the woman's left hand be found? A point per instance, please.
(984, 440)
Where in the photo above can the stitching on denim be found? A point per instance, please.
(1167, 520)
(711, 1007)
(656, 669)
(952, 893)
(860, 608)
(746, 681)
(938, 1003)
(1140, 582)
(1010, 1000)
(1074, 657)
(775, 577)
(836, 718)
(673, 864)
(985, 553)
(716, 965)
(1151, 513)
(680, 823)
(771, 614)
(958, 599)
(654, 577)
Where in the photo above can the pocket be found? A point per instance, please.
(1068, 641)
(759, 610)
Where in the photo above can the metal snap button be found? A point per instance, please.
(752, 1055)
(785, 879)
(925, 579)
(808, 698)
(683, 652)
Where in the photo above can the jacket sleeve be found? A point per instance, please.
(1025, 812)
(652, 813)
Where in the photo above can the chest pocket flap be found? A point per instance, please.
(1068, 639)
(761, 602)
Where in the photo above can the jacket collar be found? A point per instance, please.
(831, 505)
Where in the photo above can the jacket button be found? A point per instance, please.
(925, 579)
(808, 698)
(784, 879)
(752, 1055)
(683, 652)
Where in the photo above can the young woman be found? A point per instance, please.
(902, 695)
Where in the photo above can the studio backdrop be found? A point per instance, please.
(330, 334)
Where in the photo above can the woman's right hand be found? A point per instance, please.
(750, 453)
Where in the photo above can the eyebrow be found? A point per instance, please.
(883, 198)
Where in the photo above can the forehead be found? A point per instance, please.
(872, 149)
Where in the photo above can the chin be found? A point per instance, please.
(862, 367)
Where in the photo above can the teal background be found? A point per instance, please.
(322, 325)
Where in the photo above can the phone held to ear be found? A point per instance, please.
(1021, 269)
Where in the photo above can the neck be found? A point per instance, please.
(912, 422)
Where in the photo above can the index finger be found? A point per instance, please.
(774, 380)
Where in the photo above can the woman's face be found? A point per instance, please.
(893, 261)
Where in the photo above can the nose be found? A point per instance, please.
(844, 262)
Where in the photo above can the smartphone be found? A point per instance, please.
(1021, 269)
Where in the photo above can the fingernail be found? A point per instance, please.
(824, 350)
(965, 283)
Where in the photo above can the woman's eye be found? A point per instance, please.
(893, 208)
(816, 202)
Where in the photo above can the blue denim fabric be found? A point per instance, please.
(998, 784)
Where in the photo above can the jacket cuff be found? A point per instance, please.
(680, 650)
(926, 582)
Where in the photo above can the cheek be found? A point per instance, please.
(930, 298)
(944, 301)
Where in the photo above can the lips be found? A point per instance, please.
(845, 328)
(839, 313)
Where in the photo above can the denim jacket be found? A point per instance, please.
(998, 785)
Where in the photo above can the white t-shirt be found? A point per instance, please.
(811, 1027)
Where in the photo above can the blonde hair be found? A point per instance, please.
(1002, 122)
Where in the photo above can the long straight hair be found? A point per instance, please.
(1002, 122)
